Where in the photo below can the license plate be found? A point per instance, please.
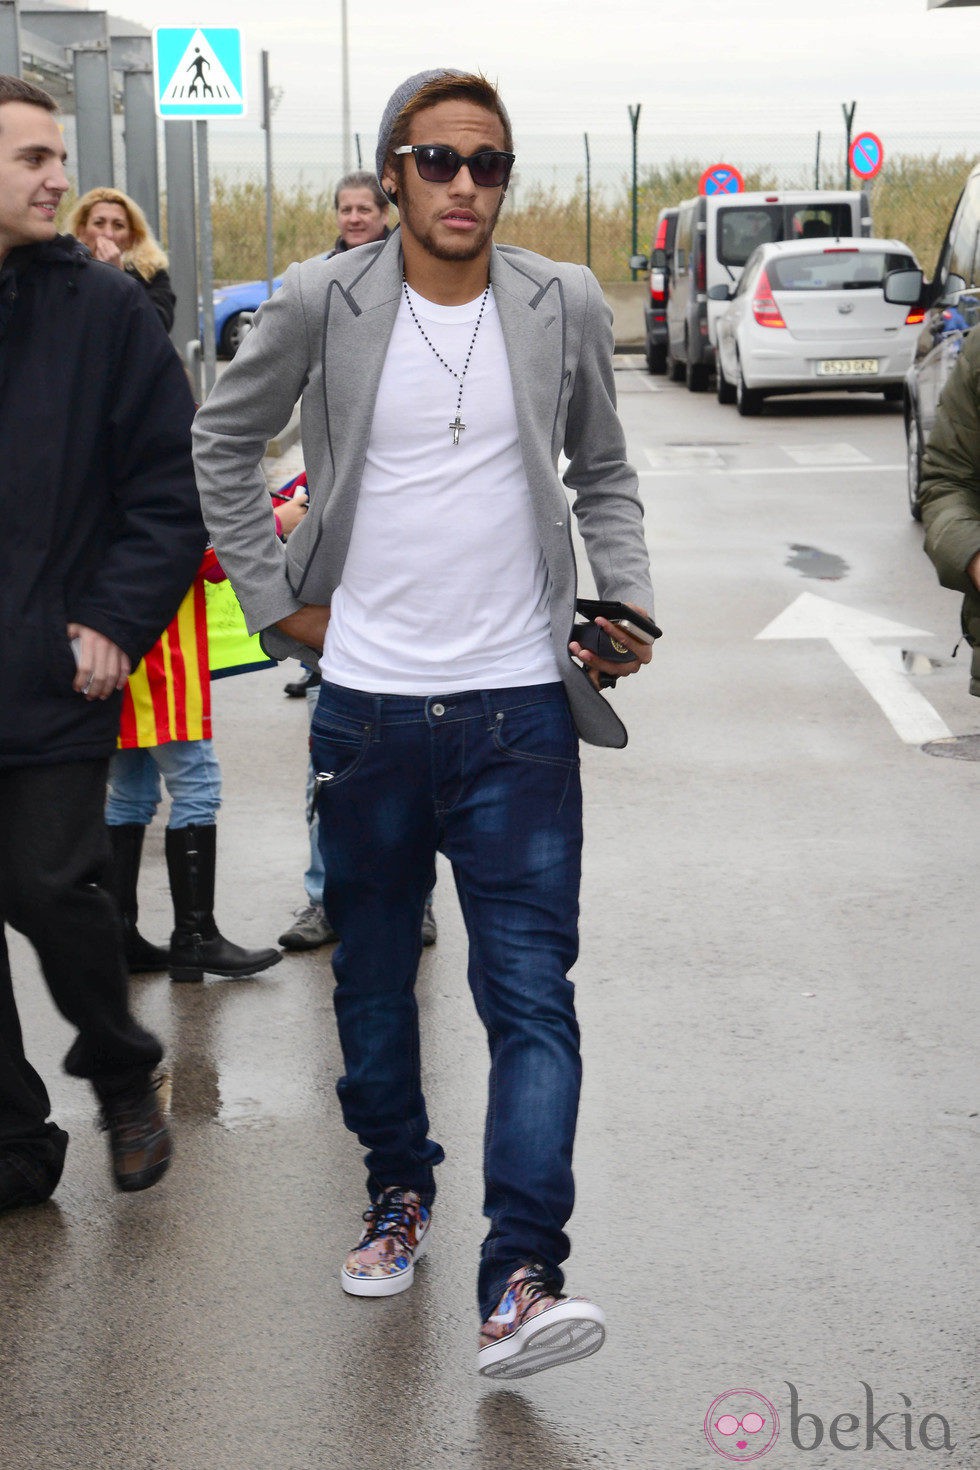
(847, 367)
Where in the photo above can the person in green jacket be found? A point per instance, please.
(951, 493)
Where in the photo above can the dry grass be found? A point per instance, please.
(912, 200)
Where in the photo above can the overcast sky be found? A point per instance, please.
(567, 65)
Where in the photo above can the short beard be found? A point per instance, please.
(461, 250)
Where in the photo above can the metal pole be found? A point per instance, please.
(588, 203)
(634, 113)
(142, 174)
(848, 123)
(344, 89)
(93, 115)
(816, 181)
(10, 47)
(178, 138)
(270, 267)
(357, 146)
(206, 253)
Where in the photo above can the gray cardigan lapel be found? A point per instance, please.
(532, 318)
(357, 326)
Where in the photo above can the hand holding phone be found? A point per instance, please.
(635, 623)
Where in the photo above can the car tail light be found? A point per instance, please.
(702, 271)
(658, 288)
(764, 307)
(661, 241)
(916, 317)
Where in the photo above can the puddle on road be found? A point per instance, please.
(955, 748)
(810, 561)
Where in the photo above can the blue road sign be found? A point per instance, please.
(198, 72)
(721, 178)
(867, 155)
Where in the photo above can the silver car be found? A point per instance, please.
(814, 316)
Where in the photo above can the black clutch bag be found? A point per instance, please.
(596, 640)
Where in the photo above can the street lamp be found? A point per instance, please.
(344, 89)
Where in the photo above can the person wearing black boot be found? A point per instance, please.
(165, 737)
(196, 946)
(142, 957)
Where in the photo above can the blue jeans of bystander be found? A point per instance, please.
(193, 776)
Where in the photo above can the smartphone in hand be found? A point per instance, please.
(632, 622)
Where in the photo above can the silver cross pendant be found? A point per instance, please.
(456, 426)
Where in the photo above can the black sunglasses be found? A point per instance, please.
(438, 164)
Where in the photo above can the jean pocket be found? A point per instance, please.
(541, 733)
(338, 745)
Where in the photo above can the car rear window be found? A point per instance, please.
(742, 228)
(740, 231)
(835, 270)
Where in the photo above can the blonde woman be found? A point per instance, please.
(115, 230)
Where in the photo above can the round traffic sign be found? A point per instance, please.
(721, 178)
(867, 155)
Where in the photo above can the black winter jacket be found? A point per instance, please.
(100, 522)
(160, 292)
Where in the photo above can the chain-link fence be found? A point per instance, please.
(571, 195)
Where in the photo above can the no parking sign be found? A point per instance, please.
(721, 178)
(867, 155)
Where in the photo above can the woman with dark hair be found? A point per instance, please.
(114, 228)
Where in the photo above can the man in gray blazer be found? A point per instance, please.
(434, 581)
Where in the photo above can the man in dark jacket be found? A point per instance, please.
(100, 537)
(951, 492)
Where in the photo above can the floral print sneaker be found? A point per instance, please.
(383, 1261)
(534, 1327)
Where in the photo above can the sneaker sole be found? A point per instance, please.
(383, 1285)
(296, 946)
(561, 1335)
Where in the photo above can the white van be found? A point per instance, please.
(716, 234)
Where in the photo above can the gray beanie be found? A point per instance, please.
(400, 98)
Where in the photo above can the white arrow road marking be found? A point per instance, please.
(850, 631)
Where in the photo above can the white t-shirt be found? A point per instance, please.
(445, 586)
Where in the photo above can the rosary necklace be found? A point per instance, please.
(457, 425)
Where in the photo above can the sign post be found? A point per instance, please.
(848, 112)
(198, 74)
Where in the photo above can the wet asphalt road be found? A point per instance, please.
(777, 1144)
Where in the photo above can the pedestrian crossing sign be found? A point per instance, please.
(197, 71)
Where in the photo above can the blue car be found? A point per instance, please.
(230, 305)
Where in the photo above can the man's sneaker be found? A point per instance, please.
(383, 1261)
(429, 930)
(535, 1327)
(30, 1169)
(311, 929)
(139, 1139)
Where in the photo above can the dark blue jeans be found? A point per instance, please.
(490, 779)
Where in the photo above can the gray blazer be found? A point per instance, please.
(323, 337)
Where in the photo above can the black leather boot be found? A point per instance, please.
(196, 946)
(126, 842)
